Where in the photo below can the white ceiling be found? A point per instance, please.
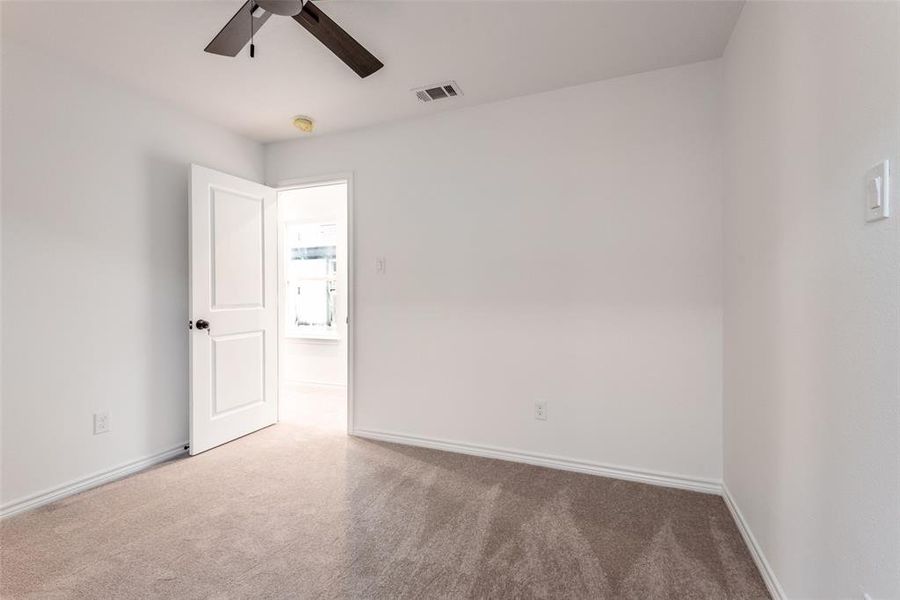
(493, 49)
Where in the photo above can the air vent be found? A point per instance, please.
(438, 91)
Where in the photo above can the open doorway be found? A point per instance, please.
(314, 303)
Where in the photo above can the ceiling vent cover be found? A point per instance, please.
(438, 91)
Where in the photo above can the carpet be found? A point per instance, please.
(307, 512)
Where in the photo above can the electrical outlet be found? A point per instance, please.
(101, 422)
(540, 410)
(380, 265)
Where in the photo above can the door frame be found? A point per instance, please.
(317, 181)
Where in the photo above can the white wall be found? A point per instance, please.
(2, 102)
(564, 246)
(311, 360)
(812, 331)
(95, 229)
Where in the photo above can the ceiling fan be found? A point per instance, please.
(254, 13)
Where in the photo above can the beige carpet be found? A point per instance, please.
(300, 511)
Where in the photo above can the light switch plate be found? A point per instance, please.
(878, 192)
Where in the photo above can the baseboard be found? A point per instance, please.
(74, 487)
(768, 575)
(706, 486)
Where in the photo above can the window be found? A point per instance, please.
(311, 280)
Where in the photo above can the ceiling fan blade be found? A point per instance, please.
(337, 40)
(236, 33)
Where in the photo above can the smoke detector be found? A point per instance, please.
(438, 91)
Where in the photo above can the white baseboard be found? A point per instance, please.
(768, 575)
(74, 487)
(706, 486)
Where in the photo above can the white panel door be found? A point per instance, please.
(234, 310)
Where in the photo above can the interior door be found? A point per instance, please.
(234, 314)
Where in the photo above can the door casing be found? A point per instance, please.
(308, 182)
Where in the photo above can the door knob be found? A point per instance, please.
(201, 324)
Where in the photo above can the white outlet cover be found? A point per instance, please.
(101, 423)
(878, 192)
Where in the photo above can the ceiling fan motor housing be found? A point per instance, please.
(286, 8)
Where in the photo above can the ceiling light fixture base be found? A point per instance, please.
(303, 123)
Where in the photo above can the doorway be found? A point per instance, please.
(315, 299)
